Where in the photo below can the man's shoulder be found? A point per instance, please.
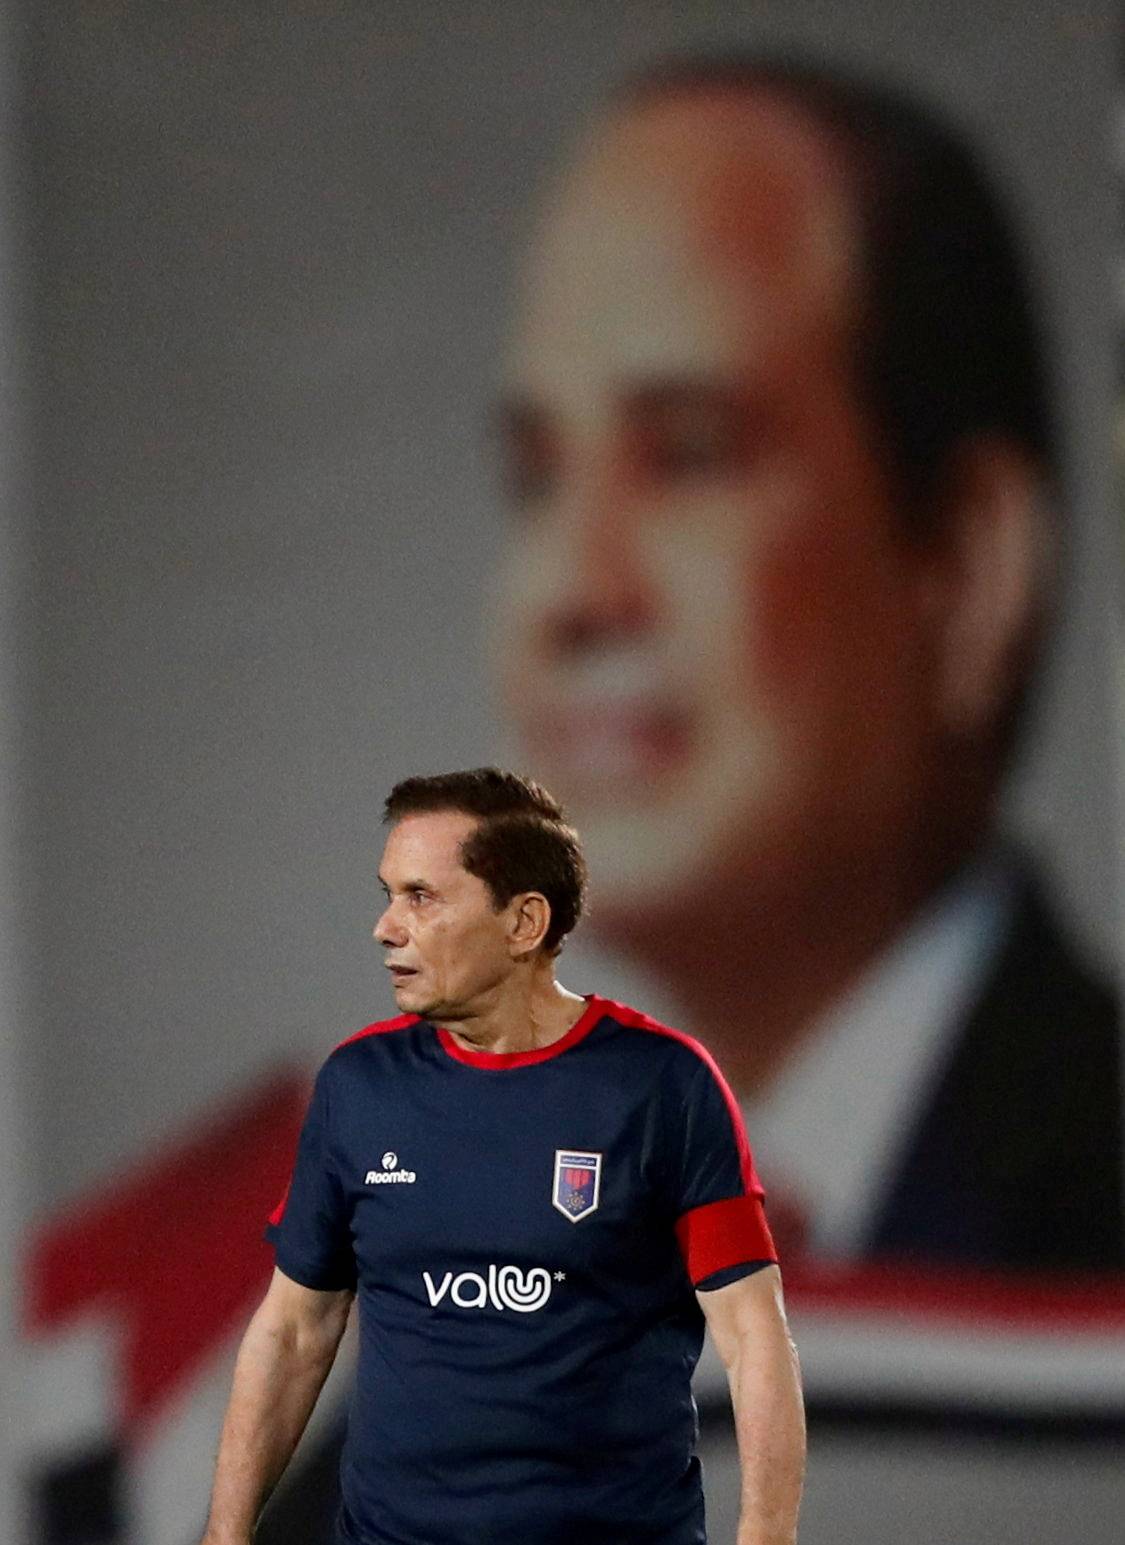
(673, 1046)
(1043, 983)
(1023, 1130)
(1038, 1051)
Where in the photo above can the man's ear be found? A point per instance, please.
(997, 552)
(530, 915)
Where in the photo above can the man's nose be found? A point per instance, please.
(387, 930)
(595, 589)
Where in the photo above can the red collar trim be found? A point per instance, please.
(500, 1061)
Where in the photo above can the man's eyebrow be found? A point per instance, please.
(655, 393)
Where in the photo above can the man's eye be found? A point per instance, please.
(689, 445)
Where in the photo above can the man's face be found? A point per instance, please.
(712, 636)
(444, 941)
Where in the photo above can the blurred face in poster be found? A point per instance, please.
(715, 637)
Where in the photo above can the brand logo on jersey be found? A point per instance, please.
(578, 1183)
(505, 1287)
(390, 1174)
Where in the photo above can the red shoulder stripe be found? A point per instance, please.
(381, 1027)
(637, 1021)
(278, 1213)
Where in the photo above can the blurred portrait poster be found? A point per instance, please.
(707, 410)
(789, 521)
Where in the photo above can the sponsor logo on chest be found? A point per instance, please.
(503, 1287)
(390, 1174)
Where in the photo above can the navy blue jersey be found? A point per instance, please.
(523, 1233)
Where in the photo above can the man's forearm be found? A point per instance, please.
(277, 1378)
(770, 1426)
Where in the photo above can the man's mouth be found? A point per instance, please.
(400, 973)
(599, 748)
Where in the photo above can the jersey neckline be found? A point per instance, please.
(501, 1061)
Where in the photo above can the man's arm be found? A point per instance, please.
(286, 1353)
(747, 1321)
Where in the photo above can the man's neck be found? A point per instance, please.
(755, 981)
(522, 1014)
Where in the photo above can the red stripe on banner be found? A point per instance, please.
(722, 1234)
(174, 1248)
(979, 1299)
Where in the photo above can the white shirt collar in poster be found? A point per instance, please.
(830, 1132)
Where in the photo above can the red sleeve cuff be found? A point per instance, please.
(723, 1234)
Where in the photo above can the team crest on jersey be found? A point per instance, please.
(578, 1183)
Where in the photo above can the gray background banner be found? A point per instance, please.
(272, 253)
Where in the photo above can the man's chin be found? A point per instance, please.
(410, 996)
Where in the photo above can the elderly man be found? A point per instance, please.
(782, 458)
(522, 1187)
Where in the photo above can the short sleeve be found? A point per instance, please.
(309, 1229)
(720, 1214)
